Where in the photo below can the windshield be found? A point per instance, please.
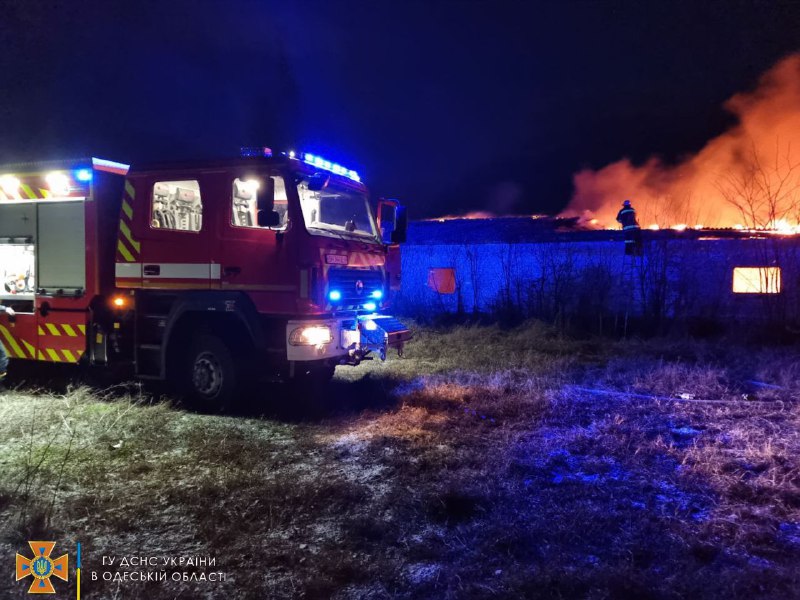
(336, 211)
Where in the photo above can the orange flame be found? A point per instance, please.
(748, 177)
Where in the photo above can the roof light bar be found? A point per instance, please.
(336, 169)
(253, 151)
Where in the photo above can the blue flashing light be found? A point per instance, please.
(337, 169)
(334, 295)
(83, 174)
(377, 294)
(370, 306)
(250, 152)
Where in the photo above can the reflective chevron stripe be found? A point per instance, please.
(11, 343)
(128, 247)
(62, 329)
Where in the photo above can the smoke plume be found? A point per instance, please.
(748, 176)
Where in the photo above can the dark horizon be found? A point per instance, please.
(450, 106)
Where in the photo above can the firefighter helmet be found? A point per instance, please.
(626, 203)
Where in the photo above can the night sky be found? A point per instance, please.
(449, 106)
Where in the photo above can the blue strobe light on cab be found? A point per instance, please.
(83, 174)
(377, 294)
(334, 295)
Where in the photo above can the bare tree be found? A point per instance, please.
(765, 189)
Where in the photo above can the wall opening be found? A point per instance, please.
(756, 280)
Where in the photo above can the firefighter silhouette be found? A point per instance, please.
(633, 233)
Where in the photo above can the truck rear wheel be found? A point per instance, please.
(210, 374)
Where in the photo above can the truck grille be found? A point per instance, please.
(355, 285)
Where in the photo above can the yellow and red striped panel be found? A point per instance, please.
(34, 186)
(61, 342)
(15, 345)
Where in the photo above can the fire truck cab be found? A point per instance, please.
(209, 275)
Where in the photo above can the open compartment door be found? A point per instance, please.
(18, 279)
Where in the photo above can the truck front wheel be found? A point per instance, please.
(210, 374)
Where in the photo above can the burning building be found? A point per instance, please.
(558, 270)
(719, 241)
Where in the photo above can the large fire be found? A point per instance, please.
(746, 178)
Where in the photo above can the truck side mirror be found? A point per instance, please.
(392, 221)
(400, 225)
(266, 200)
(269, 218)
(267, 215)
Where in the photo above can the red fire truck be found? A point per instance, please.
(208, 275)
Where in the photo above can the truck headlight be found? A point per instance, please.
(311, 335)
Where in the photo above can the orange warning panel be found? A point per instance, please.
(442, 280)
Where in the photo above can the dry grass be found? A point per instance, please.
(489, 463)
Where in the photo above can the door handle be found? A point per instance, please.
(152, 270)
(232, 270)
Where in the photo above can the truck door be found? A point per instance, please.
(254, 258)
(175, 232)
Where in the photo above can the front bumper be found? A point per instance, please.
(352, 339)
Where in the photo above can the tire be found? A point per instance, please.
(211, 377)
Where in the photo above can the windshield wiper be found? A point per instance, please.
(348, 236)
(330, 231)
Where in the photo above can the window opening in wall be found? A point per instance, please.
(756, 280)
(177, 205)
(442, 280)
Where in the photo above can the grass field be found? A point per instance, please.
(489, 463)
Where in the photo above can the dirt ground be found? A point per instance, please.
(488, 463)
